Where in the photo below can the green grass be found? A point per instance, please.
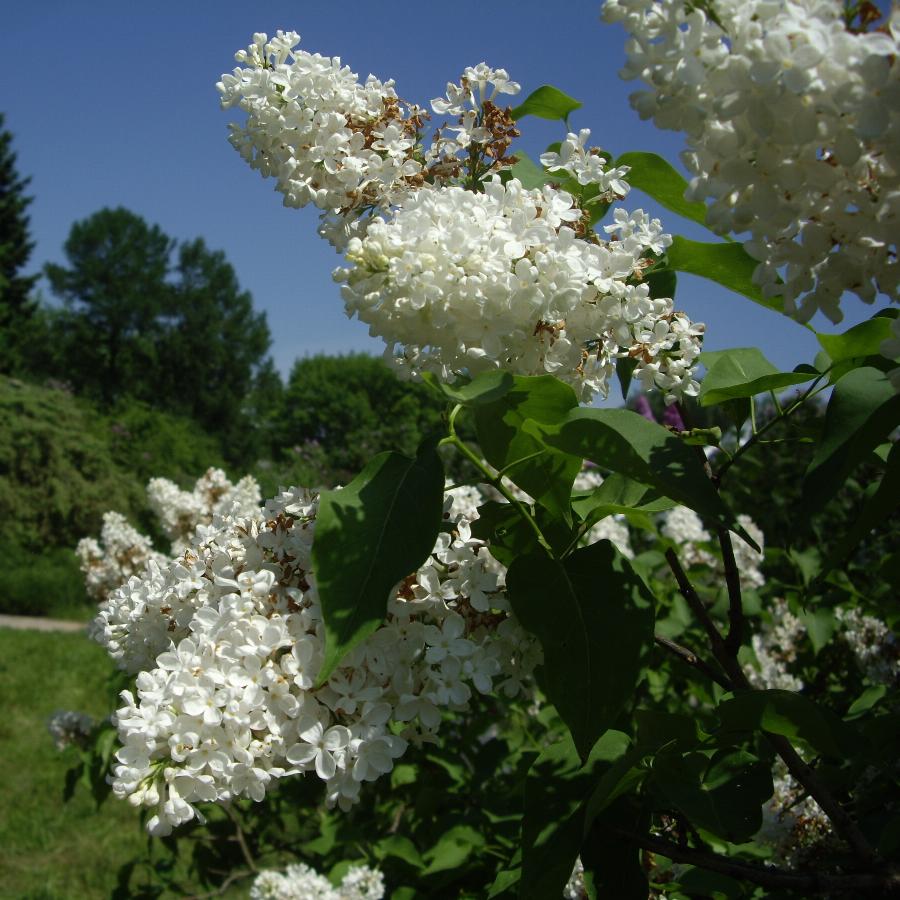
(52, 849)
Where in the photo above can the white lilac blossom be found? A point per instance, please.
(181, 512)
(458, 281)
(121, 552)
(873, 644)
(456, 271)
(775, 647)
(227, 640)
(793, 823)
(301, 882)
(68, 727)
(683, 526)
(325, 137)
(793, 135)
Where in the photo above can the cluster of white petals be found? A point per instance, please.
(776, 646)
(121, 552)
(181, 512)
(227, 642)
(458, 281)
(456, 271)
(68, 728)
(325, 137)
(301, 882)
(683, 527)
(873, 643)
(587, 166)
(793, 823)
(793, 135)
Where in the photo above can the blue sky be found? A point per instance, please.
(114, 104)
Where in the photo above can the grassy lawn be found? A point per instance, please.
(52, 849)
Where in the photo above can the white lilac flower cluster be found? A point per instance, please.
(227, 642)
(793, 823)
(575, 888)
(327, 139)
(683, 526)
(873, 644)
(457, 271)
(301, 882)
(181, 512)
(458, 281)
(775, 647)
(121, 552)
(793, 133)
(68, 727)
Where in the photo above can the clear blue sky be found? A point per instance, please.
(114, 104)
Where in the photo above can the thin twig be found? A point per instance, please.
(735, 604)
(239, 835)
(691, 658)
(813, 884)
(217, 892)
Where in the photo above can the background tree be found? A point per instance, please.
(16, 306)
(354, 406)
(213, 343)
(115, 294)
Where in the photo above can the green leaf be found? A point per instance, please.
(625, 367)
(729, 264)
(547, 102)
(651, 174)
(618, 495)
(820, 625)
(400, 847)
(508, 536)
(453, 849)
(629, 444)
(549, 476)
(530, 173)
(723, 796)
(789, 714)
(596, 637)
(743, 372)
(858, 342)
(553, 824)
(370, 535)
(613, 865)
(880, 503)
(662, 282)
(863, 410)
(866, 700)
(485, 388)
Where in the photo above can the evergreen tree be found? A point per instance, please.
(16, 306)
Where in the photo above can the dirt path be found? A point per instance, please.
(38, 623)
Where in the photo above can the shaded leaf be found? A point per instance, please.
(485, 388)
(548, 477)
(594, 619)
(789, 714)
(629, 444)
(370, 535)
(553, 825)
(860, 341)
(862, 411)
